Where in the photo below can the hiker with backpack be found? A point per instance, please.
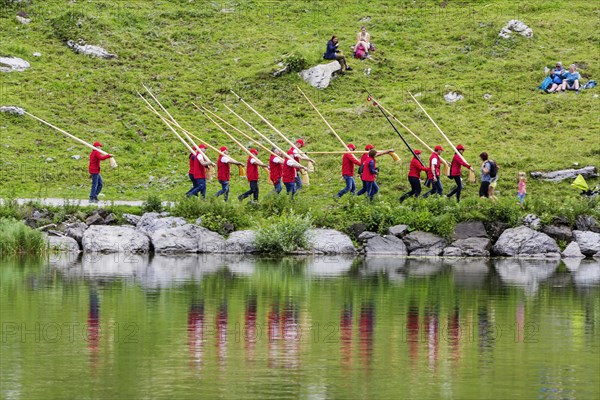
(489, 175)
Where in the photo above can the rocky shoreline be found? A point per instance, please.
(161, 233)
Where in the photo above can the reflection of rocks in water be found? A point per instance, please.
(393, 267)
(329, 265)
(526, 273)
(424, 267)
(588, 273)
(467, 272)
(572, 264)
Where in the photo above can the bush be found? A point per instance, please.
(284, 235)
(296, 62)
(17, 238)
(215, 213)
(152, 204)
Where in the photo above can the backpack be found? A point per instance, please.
(546, 83)
(493, 169)
(590, 84)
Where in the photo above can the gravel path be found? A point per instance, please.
(102, 203)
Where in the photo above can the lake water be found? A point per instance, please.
(118, 326)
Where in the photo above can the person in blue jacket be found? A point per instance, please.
(557, 78)
(571, 79)
(333, 53)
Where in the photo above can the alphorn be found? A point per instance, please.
(112, 161)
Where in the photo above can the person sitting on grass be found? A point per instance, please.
(363, 38)
(557, 78)
(333, 53)
(571, 79)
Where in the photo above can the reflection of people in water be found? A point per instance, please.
(366, 330)
(195, 329)
(412, 328)
(251, 333)
(487, 331)
(431, 331)
(221, 328)
(93, 329)
(273, 334)
(346, 335)
(291, 334)
(454, 334)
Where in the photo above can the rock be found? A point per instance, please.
(227, 228)
(63, 244)
(557, 176)
(94, 219)
(76, 157)
(23, 20)
(588, 274)
(572, 251)
(470, 247)
(424, 244)
(364, 236)
(532, 221)
(515, 26)
(178, 239)
(75, 231)
(12, 110)
(589, 242)
(524, 241)
(495, 229)
(50, 159)
(330, 241)
(114, 239)
(597, 255)
(94, 51)
(37, 54)
(466, 230)
(110, 218)
(559, 232)
(527, 274)
(398, 230)
(13, 64)
(356, 229)
(209, 241)
(452, 252)
(241, 242)
(320, 75)
(131, 219)
(587, 223)
(151, 222)
(453, 97)
(385, 245)
(487, 96)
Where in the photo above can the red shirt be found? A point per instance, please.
(348, 163)
(457, 162)
(198, 170)
(289, 173)
(95, 158)
(251, 170)
(223, 169)
(276, 169)
(367, 175)
(191, 157)
(416, 167)
(434, 156)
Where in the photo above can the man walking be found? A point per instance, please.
(434, 172)
(455, 167)
(252, 165)
(414, 176)
(224, 172)
(94, 170)
(199, 164)
(348, 163)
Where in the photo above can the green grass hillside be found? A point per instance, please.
(195, 51)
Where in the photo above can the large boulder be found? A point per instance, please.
(241, 242)
(557, 176)
(366, 235)
(589, 242)
(424, 244)
(151, 222)
(320, 75)
(559, 232)
(175, 240)
(385, 245)
(573, 251)
(398, 230)
(13, 64)
(587, 223)
(63, 244)
(114, 239)
(330, 241)
(471, 247)
(75, 230)
(471, 229)
(94, 219)
(524, 241)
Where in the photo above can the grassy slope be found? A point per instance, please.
(191, 51)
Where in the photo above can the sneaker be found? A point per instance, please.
(349, 69)
(240, 198)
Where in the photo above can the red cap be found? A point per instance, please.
(202, 146)
(223, 148)
(97, 144)
(438, 148)
(418, 151)
(369, 147)
(253, 151)
(460, 147)
(300, 142)
(351, 146)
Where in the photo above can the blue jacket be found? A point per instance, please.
(330, 52)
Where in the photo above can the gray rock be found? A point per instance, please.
(527, 274)
(424, 244)
(330, 241)
(385, 245)
(12, 110)
(587, 223)
(198, 221)
(356, 229)
(23, 20)
(452, 252)
(572, 251)
(94, 219)
(515, 26)
(473, 229)
(63, 244)
(176, 240)
(320, 75)
(13, 64)
(114, 239)
(532, 221)
(495, 229)
(75, 231)
(50, 159)
(76, 157)
(398, 230)
(241, 242)
(589, 242)
(487, 96)
(151, 222)
(588, 274)
(110, 218)
(94, 51)
(472, 247)
(559, 232)
(37, 54)
(132, 219)
(557, 176)
(366, 235)
(597, 255)
(453, 97)
(210, 242)
(524, 241)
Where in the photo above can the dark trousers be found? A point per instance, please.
(277, 186)
(363, 190)
(457, 189)
(436, 188)
(371, 189)
(298, 182)
(199, 188)
(224, 189)
(253, 190)
(194, 183)
(97, 185)
(290, 187)
(483, 189)
(415, 188)
(350, 186)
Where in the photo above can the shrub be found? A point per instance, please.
(215, 213)
(152, 204)
(17, 238)
(284, 234)
(296, 62)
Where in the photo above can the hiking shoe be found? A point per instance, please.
(349, 69)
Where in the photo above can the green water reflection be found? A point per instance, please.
(224, 327)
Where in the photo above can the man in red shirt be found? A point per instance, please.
(348, 163)
(223, 172)
(290, 174)
(276, 169)
(252, 173)
(297, 157)
(199, 164)
(433, 175)
(369, 174)
(94, 170)
(414, 176)
(368, 148)
(455, 166)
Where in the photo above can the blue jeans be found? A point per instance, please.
(298, 181)
(96, 186)
(224, 189)
(200, 188)
(363, 190)
(370, 189)
(436, 188)
(350, 186)
(290, 187)
(277, 186)
(191, 176)
(253, 190)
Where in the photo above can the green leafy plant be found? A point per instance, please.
(17, 238)
(152, 204)
(284, 235)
